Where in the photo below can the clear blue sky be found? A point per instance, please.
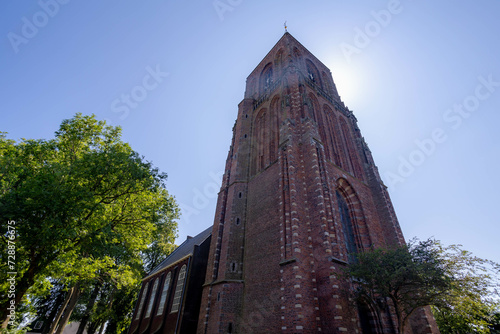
(404, 68)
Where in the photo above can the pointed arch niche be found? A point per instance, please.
(278, 62)
(313, 73)
(266, 78)
(352, 218)
(331, 124)
(260, 137)
(274, 121)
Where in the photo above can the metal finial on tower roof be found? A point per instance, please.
(285, 27)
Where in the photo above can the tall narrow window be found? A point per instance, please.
(312, 73)
(261, 140)
(152, 298)
(266, 78)
(331, 125)
(164, 293)
(178, 289)
(314, 110)
(274, 129)
(351, 150)
(278, 59)
(141, 303)
(347, 228)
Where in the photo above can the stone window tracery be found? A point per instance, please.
(347, 228)
(164, 293)
(141, 303)
(152, 298)
(178, 290)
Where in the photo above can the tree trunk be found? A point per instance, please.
(90, 305)
(101, 330)
(93, 327)
(69, 309)
(50, 319)
(401, 326)
(21, 287)
(61, 310)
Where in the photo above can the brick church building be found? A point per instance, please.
(300, 196)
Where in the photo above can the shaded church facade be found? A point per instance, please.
(301, 195)
(169, 300)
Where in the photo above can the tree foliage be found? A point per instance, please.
(461, 288)
(85, 206)
(410, 277)
(473, 302)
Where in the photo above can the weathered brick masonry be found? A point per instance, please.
(300, 195)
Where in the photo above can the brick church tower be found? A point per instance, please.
(300, 196)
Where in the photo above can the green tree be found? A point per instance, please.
(155, 254)
(84, 204)
(473, 302)
(410, 277)
(461, 288)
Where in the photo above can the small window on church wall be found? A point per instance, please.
(152, 299)
(312, 72)
(141, 303)
(178, 290)
(164, 293)
(266, 78)
(311, 76)
(347, 228)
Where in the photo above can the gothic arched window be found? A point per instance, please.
(261, 140)
(274, 129)
(164, 293)
(351, 150)
(178, 290)
(152, 298)
(314, 109)
(141, 303)
(278, 59)
(332, 139)
(312, 73)
(347, 228)
(266, 78)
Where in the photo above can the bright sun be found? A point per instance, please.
(347, 81)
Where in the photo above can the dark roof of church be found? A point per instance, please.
(184, 249)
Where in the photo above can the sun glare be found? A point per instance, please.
(347, 81)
